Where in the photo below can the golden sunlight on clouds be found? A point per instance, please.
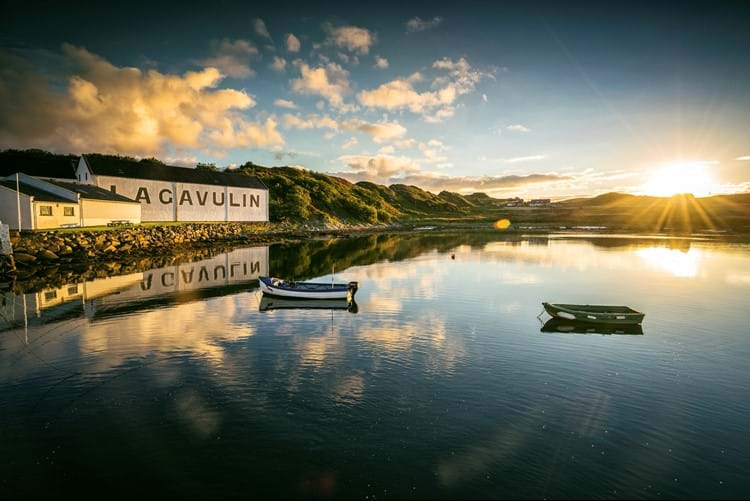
(114, 109)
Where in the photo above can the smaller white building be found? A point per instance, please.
(57, 204)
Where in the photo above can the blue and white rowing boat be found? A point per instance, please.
(307, 290)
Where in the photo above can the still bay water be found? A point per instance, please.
(441, 383)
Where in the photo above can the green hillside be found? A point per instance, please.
(303, 196)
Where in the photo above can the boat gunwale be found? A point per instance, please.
(593, 308)
(305, 286)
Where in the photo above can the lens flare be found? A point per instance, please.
(502, 224)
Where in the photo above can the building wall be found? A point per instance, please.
(168, 201)
(102, 212)
(58, 217)
(9, 209)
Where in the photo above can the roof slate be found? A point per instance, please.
(39, 195)
(93, 192)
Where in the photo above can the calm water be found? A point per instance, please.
(171, 382)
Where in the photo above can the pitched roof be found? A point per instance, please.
(122, 167)
(39, 195)
(93, 192)
(37, 164)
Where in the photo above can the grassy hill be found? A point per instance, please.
(299, 195)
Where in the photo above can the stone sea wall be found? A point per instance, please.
(42, 253)
(54, 248)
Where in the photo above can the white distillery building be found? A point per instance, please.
(46, 204)
(168, 193)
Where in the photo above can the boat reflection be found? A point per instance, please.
(269, 303)
(561, 326)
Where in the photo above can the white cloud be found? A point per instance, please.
(440, 115)
(518, 128)
(530, 158)
(310, 121)
(747, 157)
(284, 103)
(279, 64)
(381, 63)
(232, 57)
(401, 94)
(114, 109)
(436, 182)
(484, 97)
(260, 28)
(379, 166)
(292, 43)
(330, 82)
(350, 143)
(351, 38)
(380, 131)
(417, 24)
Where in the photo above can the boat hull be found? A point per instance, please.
(273, 287)
(595, 314)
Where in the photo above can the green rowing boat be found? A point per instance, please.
(595, 314)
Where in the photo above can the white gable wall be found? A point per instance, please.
(9, 209)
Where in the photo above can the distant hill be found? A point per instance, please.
(300, 195)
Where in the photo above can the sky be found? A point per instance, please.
(530, 99)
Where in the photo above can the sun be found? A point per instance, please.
(683, 177)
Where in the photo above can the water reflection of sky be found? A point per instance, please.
(442, 384)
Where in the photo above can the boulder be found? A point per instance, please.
(47, 255)
(22, 257)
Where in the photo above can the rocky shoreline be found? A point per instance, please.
(56, 255)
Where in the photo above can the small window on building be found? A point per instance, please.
(50, 295)
(72, 290)
(113, 188)
(45, 210)
(69, 211)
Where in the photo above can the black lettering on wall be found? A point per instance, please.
(231, 269)
(205, 197)
(186, 196)
(164, 279)
(223, 272)
(254, 200)
(244, 199)
(146, 284)
(161, 196)
(231, 201)
(188, 279)
(216, 202)
(143, 195)
(255, 267)
(203, 273)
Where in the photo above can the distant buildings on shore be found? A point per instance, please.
(519, 202)
(50, 191)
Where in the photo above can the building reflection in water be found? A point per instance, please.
(106, 296)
